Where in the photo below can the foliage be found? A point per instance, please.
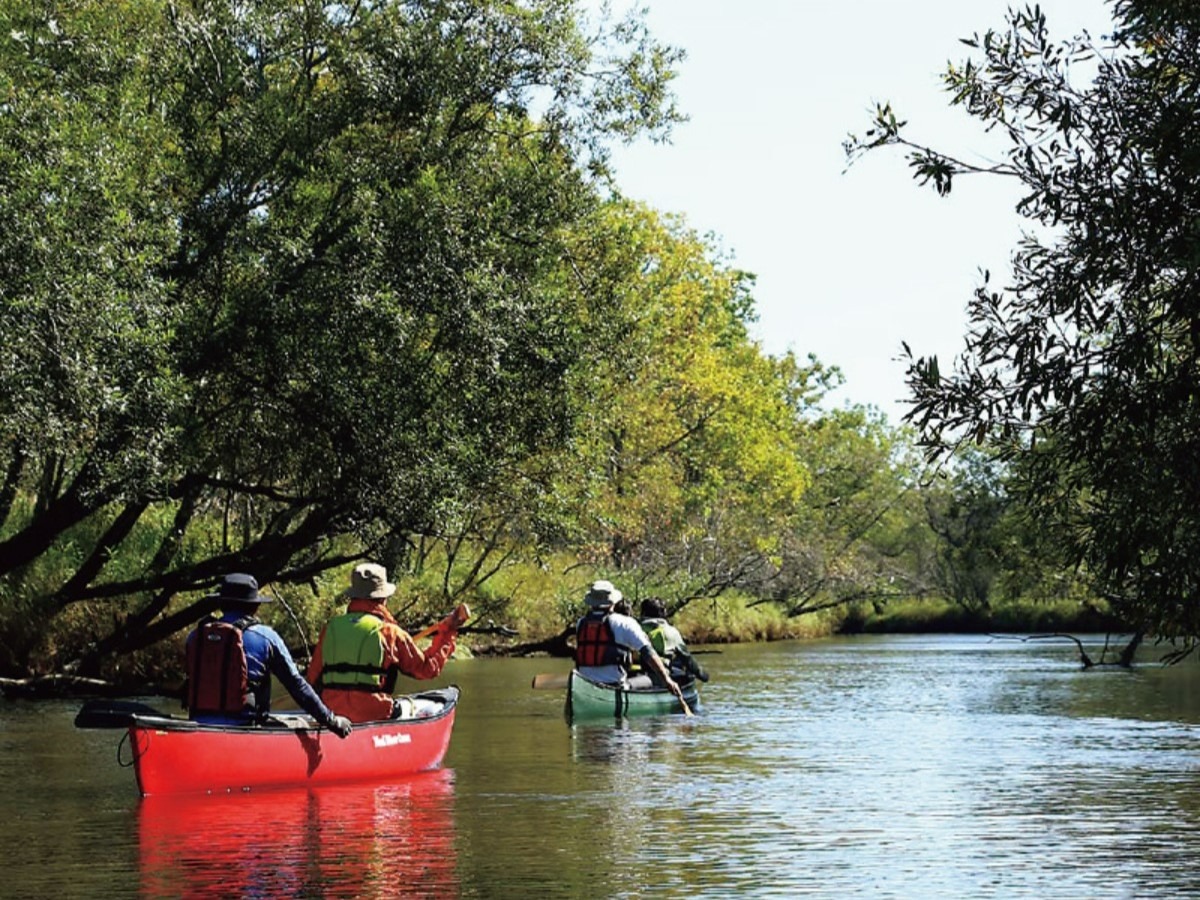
(971, 517)
(687, 457)
(287, 267)
(288, 285)
(1021, 615)
(859, 532)
(1086, 370)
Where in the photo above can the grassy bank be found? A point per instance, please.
(737, 619)
(37, 638)
(944, 617)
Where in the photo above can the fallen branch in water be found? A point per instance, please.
(1124, 661)
(44, 687)
(490, 628)
(556, 645)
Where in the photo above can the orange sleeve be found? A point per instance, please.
(402, 652)
(315, 664)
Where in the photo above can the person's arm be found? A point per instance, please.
(316, 663)
(284, 668)
(688, 664)
(652, 662)
(630, 633)
(414, 662)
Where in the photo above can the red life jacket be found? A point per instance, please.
(218, 677)
(595, 643)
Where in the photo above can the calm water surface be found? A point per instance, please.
(873, 767)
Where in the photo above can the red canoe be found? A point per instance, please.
(178, 756)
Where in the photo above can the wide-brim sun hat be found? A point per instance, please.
(602, 593)
(370, 580)
(240, 587)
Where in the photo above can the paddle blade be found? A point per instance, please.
(549, 681)
(112, 713)
(457, 618)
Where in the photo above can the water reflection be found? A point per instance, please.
(614, 741)
(360, 841)
(910, 767)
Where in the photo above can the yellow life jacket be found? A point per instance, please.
(352, 655)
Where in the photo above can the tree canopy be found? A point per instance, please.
(286, 285)
(294, 266)
(1085, 370)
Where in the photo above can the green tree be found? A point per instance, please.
(292, 268)
(1087, 368)
(858, 534)
(969, 515)
(687, 455)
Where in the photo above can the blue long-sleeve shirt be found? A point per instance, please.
(267, 655)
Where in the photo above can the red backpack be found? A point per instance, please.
(218, 678)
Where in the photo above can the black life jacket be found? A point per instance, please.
(595, 643)
(218, 676)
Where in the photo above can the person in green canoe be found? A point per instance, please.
(607, 643)
(668, 643)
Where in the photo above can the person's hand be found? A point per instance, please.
(456, 619)
(674, 687)
(340, 726)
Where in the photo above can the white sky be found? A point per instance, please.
(849, 263)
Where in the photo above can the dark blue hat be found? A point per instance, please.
(240, 587)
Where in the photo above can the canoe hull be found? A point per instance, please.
(175, 756)
(588, 699)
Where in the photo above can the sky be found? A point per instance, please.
(849, 262)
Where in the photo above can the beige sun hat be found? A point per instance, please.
(602, 593)
(370, 580)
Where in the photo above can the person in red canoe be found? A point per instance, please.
(360, 652)
(231, 658)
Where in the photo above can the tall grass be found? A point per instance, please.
(1021, 616)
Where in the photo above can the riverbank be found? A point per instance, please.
(730, 622)
(1019, 616)
(705, 623)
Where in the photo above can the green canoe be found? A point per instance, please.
(587, 699)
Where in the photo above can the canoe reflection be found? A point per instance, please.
(362, 841)
(624, 742)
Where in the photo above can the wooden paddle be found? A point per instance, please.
(549, 681)
(460, 615)
(687, 710)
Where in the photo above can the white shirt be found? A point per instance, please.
(628, 633)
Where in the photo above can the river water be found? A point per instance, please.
(916, 767)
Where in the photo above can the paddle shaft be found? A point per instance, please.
(687, 710)
(113, 713)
